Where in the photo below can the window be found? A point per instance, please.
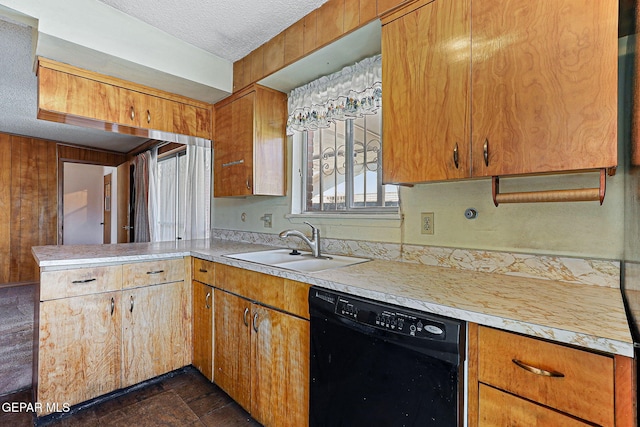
(342, 168)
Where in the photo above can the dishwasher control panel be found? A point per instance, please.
(390, 318)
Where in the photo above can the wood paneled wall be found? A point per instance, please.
(28, 204)
(29, 198)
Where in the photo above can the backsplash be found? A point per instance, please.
(564, 269)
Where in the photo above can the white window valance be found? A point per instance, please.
(349, 93)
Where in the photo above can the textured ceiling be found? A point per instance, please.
(227, 28)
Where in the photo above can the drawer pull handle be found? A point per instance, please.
(204, 270)
(84, 281)
(155, 272)
(244, 317)
(206, 300)
(131, 302)
(113, 305)
(538, 371)
(235, 162)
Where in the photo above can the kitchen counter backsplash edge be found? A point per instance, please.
(597, 272)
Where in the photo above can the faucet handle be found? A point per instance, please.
(310, 225)
(314, 230)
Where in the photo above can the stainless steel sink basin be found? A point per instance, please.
(303, 262)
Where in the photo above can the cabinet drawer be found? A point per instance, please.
(263, 288)
(498, 409)
(152, 272)
(513, 363)
(79, 281)
(203, 271)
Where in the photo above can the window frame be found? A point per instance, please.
(350, 207)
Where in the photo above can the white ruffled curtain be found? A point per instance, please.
(352, 92)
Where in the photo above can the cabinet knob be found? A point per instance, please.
(244, 316)
(485, 152)
(455, 156)
(255, 321)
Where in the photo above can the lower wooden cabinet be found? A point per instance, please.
(261, 359)
(80, 349)
(156, 331)
(520, 380)
(203, 328)
(94, 337)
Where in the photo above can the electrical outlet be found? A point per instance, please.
(426, 223)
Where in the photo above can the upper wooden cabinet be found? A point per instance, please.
(68, 94)
(250, 144)
(544, 85)
(426, 69)
(539, 92)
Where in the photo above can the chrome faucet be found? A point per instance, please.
(314, 242)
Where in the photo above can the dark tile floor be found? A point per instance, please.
(185, 398)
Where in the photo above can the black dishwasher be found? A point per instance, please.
(377, 364)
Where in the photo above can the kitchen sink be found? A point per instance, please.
(302, 261)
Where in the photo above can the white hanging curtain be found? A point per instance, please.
(198, 191)
(352, 92)
(153, 193)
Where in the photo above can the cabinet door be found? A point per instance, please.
(203, 328)
(426, 70)
(544, 85)
(233, 162)
(280, 368)
(232, 349)
(156, 331)
(77, 96)
(79, 349)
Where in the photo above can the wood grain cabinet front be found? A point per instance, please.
(156, 330)
(95, 337)
(527, 381)
(203, 306)
(79, 357)
(535, 82)
(261, 345)
(68, 94)
(250, 144)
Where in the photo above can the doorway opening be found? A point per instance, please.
(89, 195)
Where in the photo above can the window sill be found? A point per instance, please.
(390, 220)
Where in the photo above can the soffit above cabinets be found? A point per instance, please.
(353, 47)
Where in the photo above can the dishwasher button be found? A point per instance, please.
(433, 329)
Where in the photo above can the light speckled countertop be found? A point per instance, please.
(584, 315)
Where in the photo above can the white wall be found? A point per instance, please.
(83, 203)
(583, 229)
